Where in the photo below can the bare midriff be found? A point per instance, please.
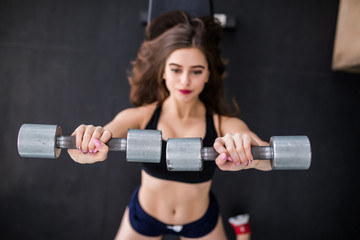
(171, 202)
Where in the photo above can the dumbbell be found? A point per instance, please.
(46, 141)
(284, 152)
(182, 154)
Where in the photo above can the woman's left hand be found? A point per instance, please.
(235, 152)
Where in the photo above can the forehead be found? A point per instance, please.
(187, 57)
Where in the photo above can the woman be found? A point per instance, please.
(176, 86)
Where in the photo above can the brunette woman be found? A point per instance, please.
(176, 87)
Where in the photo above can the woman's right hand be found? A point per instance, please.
(90, 144)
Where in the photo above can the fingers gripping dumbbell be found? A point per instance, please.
(46, 141)
(284, 152)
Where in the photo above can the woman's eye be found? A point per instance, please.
(198, 72)
(175, 70)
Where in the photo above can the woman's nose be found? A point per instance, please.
(185, 79)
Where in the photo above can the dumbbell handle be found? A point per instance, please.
(69, 142)
(258, 152)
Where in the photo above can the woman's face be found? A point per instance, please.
(186, 72)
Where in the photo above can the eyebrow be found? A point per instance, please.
(196, 66)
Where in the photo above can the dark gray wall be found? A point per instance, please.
(65, 62)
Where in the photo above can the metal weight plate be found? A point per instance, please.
(143, 146)
(291, 152)
(38, 141)
(184, 154)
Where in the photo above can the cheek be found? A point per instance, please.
(169, 83)
(169, 79)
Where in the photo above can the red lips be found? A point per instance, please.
(184, 91)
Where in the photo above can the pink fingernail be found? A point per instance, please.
(96, 150)
(239, 163)
(97, 142)
(223, 156)
(79, 148)
(230, 159)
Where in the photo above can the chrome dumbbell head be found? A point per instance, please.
(291, 152)
(143, 146)
(38, 141)
(184, 154)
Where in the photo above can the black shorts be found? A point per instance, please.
(147, 225)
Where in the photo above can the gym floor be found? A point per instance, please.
(65, 62)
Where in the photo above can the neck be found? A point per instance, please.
(184, 110)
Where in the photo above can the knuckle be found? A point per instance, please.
(89, 128)
(228, 135)
(99, 128)
(231, 149)
(247, 137)
(247, 147)
(218, 140)
(80, 128)
(96, 134)
(107, 133)
(237, 135)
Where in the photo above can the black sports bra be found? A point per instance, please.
(159, 170)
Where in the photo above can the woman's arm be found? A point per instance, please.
(90, 140)
(235, 147)
(131, 118)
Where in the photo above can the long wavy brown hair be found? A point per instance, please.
(165, 34)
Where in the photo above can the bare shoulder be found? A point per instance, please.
(137, 115)
(146, 112)
(233, 125)
(130, 118)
